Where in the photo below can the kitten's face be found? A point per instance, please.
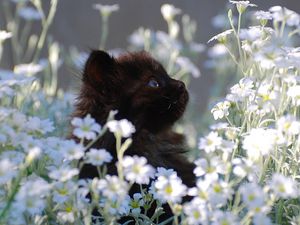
(142, 91)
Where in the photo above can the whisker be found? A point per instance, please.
(166, 97)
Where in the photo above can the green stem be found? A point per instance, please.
(14, 191)
(24, 36)
(104, 31)
(104, 129)
(119, 155)
(45, 29)
(279, 212)
(282, 27)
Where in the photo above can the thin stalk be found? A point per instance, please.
(282, 28)
(13, 193)
(119, 155)
(238, 39)
(104, 31)
(45, 29)
(279, 212)
(24, 36)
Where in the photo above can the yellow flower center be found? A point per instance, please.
(196, 214)
(169, 189)
(251, 197)
(62, 191)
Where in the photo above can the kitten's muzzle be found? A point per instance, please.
(178, 85)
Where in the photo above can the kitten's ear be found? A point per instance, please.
(98, 66)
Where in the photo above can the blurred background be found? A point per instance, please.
(78, 24)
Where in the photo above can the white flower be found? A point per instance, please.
(63, 191)
(26, 141)
(98, 157)
(196, 213)
(245, 168)
(166, 42)
(283, 187)
(136, 169)
(221, 37)
(53, 147)
(219, 193)
(35, 124)
(14, 156)
(288, 125)
(72, 150)
(138, 38)
(227, 146)
(31, 196)
(261, 219)
(210, 143)
(32, 205)
(219, 126)
(7, 171)
(242, 5)
(33, 153)
(265, 59)
(117, 207)
(106, 10)
(293, 18)
(4, 35)
(210, 168)
(123, 127)
(253, 195)
(28, 69)
(251, 34)
(259, 142)
(166, 173)
(186, 65)
(224, 218)
(280, 14)
(63, 173)
(200, 192)
(242, 90)
(18, 120)
(169, 190)
(268, 94)
(263, 15)
(112, 187)
(220, 109)
(29, 13)
(66, 217)
(217, 51)
(34, 186)
(136, 203)
(86, 127)
(169, 11)
(294, 93)
(9, 78)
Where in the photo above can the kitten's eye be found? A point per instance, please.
(153, 83)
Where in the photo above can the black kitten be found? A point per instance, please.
(140, 89)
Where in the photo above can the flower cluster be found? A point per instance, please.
(261, 115)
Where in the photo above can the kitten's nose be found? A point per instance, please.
(180, 85)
